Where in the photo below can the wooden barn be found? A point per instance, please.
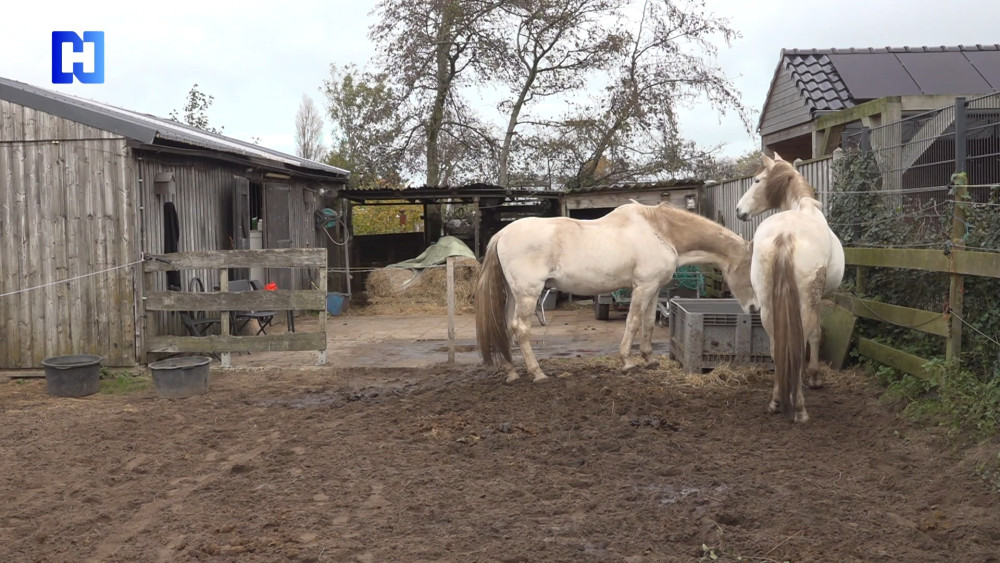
(88, 190)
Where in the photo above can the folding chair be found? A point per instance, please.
(242, 318)
(195, 321)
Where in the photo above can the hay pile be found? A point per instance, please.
(401, 290)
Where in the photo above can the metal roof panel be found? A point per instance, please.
(143, 127)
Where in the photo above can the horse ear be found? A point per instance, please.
(777, 156)
(768, 163)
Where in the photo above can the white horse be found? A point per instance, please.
(635, 245)
(797, 260)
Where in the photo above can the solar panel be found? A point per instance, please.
(988, 64)
(873, 75)
(944, 73)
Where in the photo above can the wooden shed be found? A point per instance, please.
(819, 96)
(596, 201)
(88, 190)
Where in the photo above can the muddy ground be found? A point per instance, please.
(447, 463)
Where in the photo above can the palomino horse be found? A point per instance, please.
(636, 246)
(797, 260)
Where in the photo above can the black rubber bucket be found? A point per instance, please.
(178, 378)
(76, 375)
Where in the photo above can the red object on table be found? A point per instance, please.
(271, 286)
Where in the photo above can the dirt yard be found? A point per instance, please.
(447, 463)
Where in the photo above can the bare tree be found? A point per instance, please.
(431, 48)
(620, 78)
(667, 64)
(309, 131)
(554, 45)
(196, 110)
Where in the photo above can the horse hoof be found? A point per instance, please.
(629, 365)
(540, 378)
(774, 407)
(814, 380)
(801, 417)
(511, 378)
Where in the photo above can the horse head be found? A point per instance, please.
(737, 276)
(778, 185)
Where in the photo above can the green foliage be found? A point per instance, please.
(368, 134)
(385, 219)
(959, 399)
(966, 399)
(123, 382)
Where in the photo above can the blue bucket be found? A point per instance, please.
(335, 302)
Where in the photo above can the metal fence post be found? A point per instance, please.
(956, 286)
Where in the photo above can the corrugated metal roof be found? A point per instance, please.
(145, 128)
(835, 79)
(637, 186)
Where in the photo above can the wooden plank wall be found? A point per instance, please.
(204, 202)
(785, 107)
(204, 199)
(67, 209)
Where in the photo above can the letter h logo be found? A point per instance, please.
(82, 58)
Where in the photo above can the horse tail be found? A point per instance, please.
(789, 338)
(492, 332)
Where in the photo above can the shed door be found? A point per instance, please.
(241, 223)
(277, 231)
(241, 216)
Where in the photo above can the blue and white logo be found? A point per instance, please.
(82, 58)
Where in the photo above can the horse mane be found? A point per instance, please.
(687, 230)
(782, 178)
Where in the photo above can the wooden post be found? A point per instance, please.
(224, 329)
(147, 286)
(477, 217)
(956, 285)
(451, 309)
(321, 359)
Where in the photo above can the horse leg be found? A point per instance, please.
(811, 330)
(648, 322)
(633, 322)
(814, 377)
(774, 407)
(524, 308)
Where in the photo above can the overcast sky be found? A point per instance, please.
(258, 58)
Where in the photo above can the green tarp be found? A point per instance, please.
(436, 253)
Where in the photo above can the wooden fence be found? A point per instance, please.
(947, 324)
(223, 301)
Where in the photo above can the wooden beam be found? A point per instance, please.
(287, 342)
(925, 137)
(967, 262)
(266, 258)
(838, 328)
(907, 317)
(907, 258)
(903, 361)
(281, 300)
(856, 113)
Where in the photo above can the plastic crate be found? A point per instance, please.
(705, 333)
